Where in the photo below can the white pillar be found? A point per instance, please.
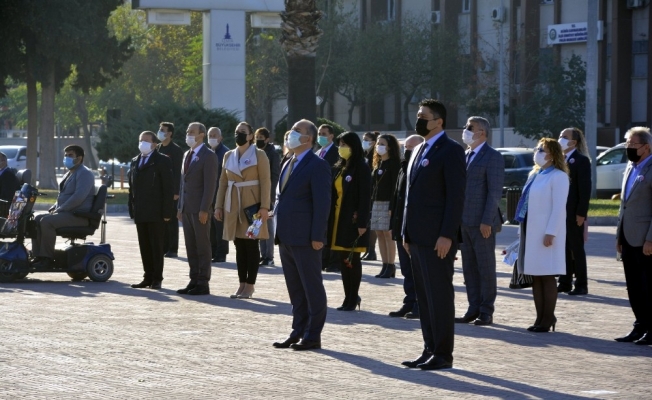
(224, 60)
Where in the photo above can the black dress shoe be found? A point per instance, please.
(425, 356)
(563, 288)
(219, 259)
(141, 285)
(645, 340)
(170, 254)
(155, 285)
(186, 289)
(43, 262)
(412, 315)
(631, 336)
(484, 319)
(435, 363)
(199, 290)
(401, 313)
(306, 345)
(467, 318)
(287, 343)
(578, 291)
(369, 257)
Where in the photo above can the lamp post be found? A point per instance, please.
(500, 82)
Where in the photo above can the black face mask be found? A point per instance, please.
(240, 138)
(422, 127)
(407, 155)
(261, 144)
(632, 155)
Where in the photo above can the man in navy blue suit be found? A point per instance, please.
(301, 215)
(433, 213)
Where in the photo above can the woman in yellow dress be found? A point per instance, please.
(349, 217)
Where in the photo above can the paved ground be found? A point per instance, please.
(105, 340)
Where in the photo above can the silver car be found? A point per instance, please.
(610, 169)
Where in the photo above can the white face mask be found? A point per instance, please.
(287, 144)
(381, 150)
(213, 142)
(190, 141)
(563, 142)
(161, 135)
(366, 145)
(467, 137)
(540, 158)
(294, 140)
(145, 147)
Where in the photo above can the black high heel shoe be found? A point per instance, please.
(536, 323)
(389, 272)
(351, 307)
(544, 328)
(382, 271)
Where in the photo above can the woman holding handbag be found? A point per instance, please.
(244, 190)
(542, 214)
(347, 224)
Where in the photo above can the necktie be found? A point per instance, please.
(288, 172)
(468, 159)
(187, 162)
(321, 153)
(143, 161)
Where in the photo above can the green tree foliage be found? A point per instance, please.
(121, 141)
(557, 102)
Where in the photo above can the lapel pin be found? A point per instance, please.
(424, 163)
(348, 178)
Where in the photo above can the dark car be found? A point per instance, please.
(518, 164)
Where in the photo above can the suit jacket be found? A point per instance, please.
(76, 190)
(397, 204)
(435, 193)
(274, 170)
(175, 153)
(198, 183)
(354, 207)
(331, 156)
(635, 216)
(8, 185)
(579, 193)
(302, 207)
(150, 189)
(485, 177)
(219, 151)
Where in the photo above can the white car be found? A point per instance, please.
(16, 156)
(610, 169)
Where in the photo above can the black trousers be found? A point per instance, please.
(219, 247)
(575, 257)
(171, 241)
(150, 241)
(410, 298)
(638, 276)
(351, 277)
(247, 258)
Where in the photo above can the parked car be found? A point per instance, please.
(610, 168)
(16, 156)
(518, 164)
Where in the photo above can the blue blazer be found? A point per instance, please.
(435, 194)
(302, 208)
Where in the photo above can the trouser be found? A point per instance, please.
(198, 248)
(479, 268)
(247, 259)
(46, 231)
(150, 241)
(410, 299)
(638, 276)
(267, 245)
(171, 242)
(219, 247)
(351, 276)
(575, 257)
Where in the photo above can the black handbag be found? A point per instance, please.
(520, 281)
(251, 211)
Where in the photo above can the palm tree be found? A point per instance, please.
(300, 34)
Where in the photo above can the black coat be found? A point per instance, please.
(397, 204)
(579, 191)
(150, 189)
(332, 155)
(175, 153)
(354, 208)
(8, 185)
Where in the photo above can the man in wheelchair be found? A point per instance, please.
(76, 193)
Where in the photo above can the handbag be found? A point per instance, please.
(519, 281)
(251, 211)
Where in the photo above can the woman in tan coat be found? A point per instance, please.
(245, 182)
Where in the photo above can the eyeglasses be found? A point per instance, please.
(633, 144)
(541, 149)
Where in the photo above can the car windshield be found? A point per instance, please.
(614, 156)
(10, 153)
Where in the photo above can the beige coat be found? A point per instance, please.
(237, 176)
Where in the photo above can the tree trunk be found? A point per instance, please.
(301, 89)
(82, 112)
(47, 175)
(32, 125)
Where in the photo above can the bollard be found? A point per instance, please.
(513, 196)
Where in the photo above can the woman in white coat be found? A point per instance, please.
(542, 213)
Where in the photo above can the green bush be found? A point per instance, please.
(282, 126)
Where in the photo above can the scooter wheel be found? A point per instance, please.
(100, 268)
(77, 276)
(5, 275)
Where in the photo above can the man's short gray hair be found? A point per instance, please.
(483, 124)
(641, 132)
(312, 130)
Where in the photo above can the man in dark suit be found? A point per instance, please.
(577, 207)
(150, 206)
(481, 219)
(410, 308)
(263, 142)
(302, 206)
(433, 213)
(172, 150)
(197, 188)
(634, 233)
(8, 181)
(219, 247)
(328, 152)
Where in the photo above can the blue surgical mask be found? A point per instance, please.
(294, 139)
(161, 135)
(323, 141)
(68, 162)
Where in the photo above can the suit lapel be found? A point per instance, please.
(478, 157)
(636, 181)
(430, 153)
(196, 155)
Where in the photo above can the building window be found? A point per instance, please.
(383, 10)
(639, 62)
(466, 6)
